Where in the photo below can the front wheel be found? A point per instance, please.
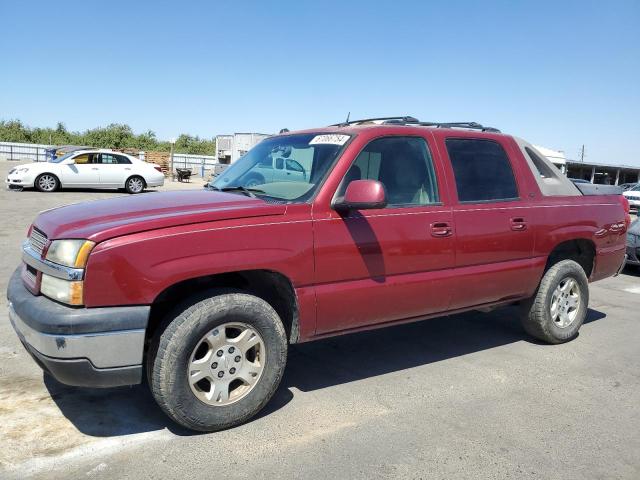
(134, 184)
(558, 309)
(219, 360)
(47, 182)
(254, 180)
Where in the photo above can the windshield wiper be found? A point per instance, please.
(249, 192)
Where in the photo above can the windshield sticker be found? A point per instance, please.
(331, 139)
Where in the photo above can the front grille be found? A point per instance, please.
(37, 240)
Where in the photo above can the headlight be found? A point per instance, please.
(61, 290)
(22, 170)
(70, 253)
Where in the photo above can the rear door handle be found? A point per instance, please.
(518, 224)
(94, 168)
(441, 229)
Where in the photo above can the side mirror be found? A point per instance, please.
(362, 195)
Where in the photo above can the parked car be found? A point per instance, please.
(88, 169)
(633, 196)
(633, 243)
(627, 186)
(204, 290)
(275, 167)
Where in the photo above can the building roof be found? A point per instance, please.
(555, 156)
(606, 165)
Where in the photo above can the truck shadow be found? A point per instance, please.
(631, 270)
(311, 366)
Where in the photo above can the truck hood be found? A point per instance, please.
(103, 219)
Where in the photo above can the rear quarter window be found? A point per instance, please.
(482, 170)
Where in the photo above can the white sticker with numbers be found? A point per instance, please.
(329, 139)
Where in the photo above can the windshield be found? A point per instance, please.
(288, 168)
(635, 188)
(63, 158)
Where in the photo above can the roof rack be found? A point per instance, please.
(471, 125)
(408, 120)
(393, 120)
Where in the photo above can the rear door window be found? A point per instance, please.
(107, 159)
(482, 170)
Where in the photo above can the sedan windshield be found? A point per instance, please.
(63, 158)
(288, 168)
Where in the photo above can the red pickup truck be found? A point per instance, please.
(382, 221)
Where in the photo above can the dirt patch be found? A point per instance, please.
(32, 424)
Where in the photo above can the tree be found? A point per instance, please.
(115, 135)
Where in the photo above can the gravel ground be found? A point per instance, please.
(465, 396)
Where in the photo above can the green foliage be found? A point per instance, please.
(115, 135)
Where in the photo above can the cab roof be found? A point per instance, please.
(388, 123)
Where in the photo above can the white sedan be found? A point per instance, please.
(88, 169)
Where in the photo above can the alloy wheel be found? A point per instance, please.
(47, 182)
(226, 364)
(565, 302)
(136, 185)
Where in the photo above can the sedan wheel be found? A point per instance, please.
(135, 185)
(47, 182)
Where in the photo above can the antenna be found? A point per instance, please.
(348, 115)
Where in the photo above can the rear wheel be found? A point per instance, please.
(218, 361)
(558, 309)
(47, 182)
(135, 184)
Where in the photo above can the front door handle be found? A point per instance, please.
(94, 168)
(441, 229)
(518, 224)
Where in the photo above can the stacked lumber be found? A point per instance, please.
(160, 158)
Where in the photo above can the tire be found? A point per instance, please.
(180, 345)
(47, 182)
(135, 184)
(560, 324)
(254, 180)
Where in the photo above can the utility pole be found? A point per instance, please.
(172, 174)
(582, 154)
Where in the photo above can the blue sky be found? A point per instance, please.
(558, 73)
